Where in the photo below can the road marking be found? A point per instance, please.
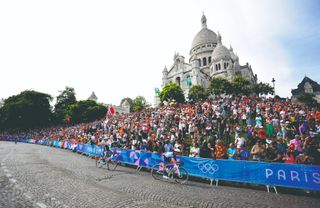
(41, 205)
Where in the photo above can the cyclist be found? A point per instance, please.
(105, 153)
(168, 156)
(109, 153)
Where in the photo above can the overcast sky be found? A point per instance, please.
(119, 48)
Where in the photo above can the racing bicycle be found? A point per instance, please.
(111, 161)
(174, 171)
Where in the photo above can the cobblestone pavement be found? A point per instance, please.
(40, 176)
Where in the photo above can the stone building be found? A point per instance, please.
(208, 58)
(93, 97)
(307, 85)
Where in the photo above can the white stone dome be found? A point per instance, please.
(205, 35)
(220, 52)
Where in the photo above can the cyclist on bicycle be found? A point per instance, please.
(168, 156)
(105, 152)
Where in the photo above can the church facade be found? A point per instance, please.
(309, 86)
(208, 58)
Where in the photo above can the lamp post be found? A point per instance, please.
(273, 83)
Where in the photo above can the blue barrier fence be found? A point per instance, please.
(276, 174)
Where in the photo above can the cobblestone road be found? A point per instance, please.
(40, 176)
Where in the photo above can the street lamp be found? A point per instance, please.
(274, 89)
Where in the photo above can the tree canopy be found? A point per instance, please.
(197, 93)
(64, 99)
(172, 91)
(28, 109)
(85, 111)
(240, 86)
(262, 88)
(219, 86)
(139, 103)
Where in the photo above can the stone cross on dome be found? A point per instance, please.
(203, 21)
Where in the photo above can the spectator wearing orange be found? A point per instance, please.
(220, 150)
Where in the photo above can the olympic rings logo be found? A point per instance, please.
(208, 167)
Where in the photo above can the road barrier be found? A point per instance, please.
(271, 174)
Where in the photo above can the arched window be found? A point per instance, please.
(219, 66)
(204, 60)
(225, 65)
(209, 60)
(216, 67)
(178, 80)
(199, 62)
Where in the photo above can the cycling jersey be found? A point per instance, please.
(168, 156)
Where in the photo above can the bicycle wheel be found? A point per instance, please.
(181, 177)
(112, 164)
(100, 163)
(157, 172)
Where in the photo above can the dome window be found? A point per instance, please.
(204, 60)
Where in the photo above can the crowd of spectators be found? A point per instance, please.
(246, 128)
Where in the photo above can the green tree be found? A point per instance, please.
(66, 98)
(29, 109)
(1, 102)
(219, 86)
(197, 93)
(308, 99)
(240, 86)
(85, 111)
(262, 88)
(172, 91)
(139, 103)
